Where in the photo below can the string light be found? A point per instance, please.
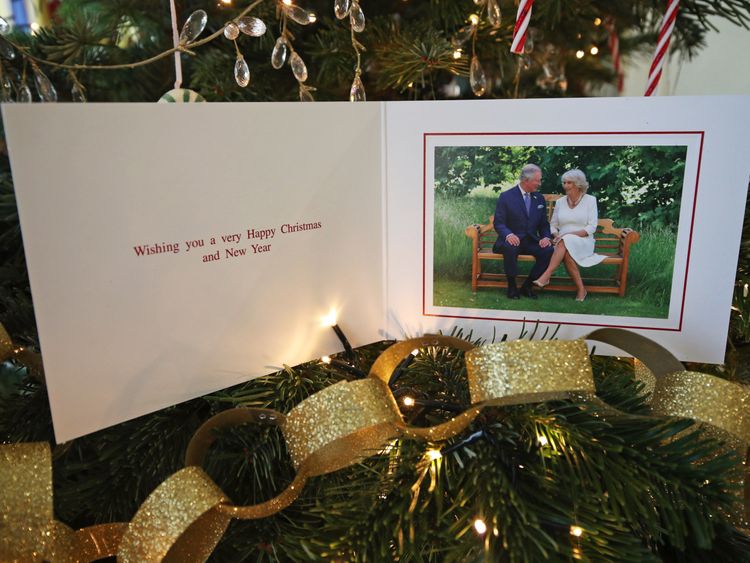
(457, 54)
(594, 50)
(326, 359)
(542, 440)
(576, 531)
(597, 21)
(433, 455)
(480, 526)
(474, 19)
(408, 401)
(329, 319)
(286, 2)
(579, 54)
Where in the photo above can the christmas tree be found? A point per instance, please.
(558, 480)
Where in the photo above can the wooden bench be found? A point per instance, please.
(614, 243)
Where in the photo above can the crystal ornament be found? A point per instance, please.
(305, 94)
(298, 67)
(357, 91)
(279, 53)
(300, 15)
(193, 27)
(44, 87)
(4, 26)
(254, 27)
(493, 13)
(77, 94)
(241, 72)
(462, 36)
(341, 8)
(6, 50)
(24, 94)
(231, 31)
(357, 17)
(477, 79)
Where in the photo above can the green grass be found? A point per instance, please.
(649, 275)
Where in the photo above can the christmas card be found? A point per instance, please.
(176, 250)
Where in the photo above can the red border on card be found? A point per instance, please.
(506, 134)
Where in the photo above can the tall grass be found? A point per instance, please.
(650, 265)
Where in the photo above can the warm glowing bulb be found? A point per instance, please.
(433, 455)
(576, 531)
(542, 440)
(326, 359)
(594, 50)
(286, 2)
(35, 27)
(474, 19)
(579, 54)
(415, 352)
(410, 84)
(312, 18)
(597, 21)
(480, 526)
(408, 401)
(329, 319)
(457, 54)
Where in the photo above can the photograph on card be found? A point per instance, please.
(582, 228)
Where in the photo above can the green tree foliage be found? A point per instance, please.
(635, 185)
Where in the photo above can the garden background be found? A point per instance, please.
(636, 186)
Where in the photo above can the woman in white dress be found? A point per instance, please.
(573, 225)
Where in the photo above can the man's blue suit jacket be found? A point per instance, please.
(511, 217)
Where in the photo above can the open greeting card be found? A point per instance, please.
(174, 250)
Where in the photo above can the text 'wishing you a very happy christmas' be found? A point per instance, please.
(249, 241)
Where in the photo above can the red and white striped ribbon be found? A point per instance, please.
(662, 46)
(522, 25)
(614, 49)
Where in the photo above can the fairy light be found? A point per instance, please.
(457, 54)
(594, 50)
(480, 527)
(433, 455)
(408, 401)
(576, 531)
(326, 359)
(597, 21)
(286, 2)
(579, 54)
(542, 440)
(474, 19)
(329, 319)
(312, 18)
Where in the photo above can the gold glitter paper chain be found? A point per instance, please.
(184, 518)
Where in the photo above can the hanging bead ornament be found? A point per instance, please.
(341, 8)
(357, 17)
(357, 91)
(241, 72)
(193, 27)
(477, 78)
(279, 53)
(24, 94)
(44, 87)
(298, 67)
(299, 15)
(78, 91)
(231, 31)
(493, 13)
(254, 27)
(305, 93)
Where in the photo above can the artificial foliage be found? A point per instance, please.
(408, 48)
(640, 489)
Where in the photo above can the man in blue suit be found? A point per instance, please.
(522, 227)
